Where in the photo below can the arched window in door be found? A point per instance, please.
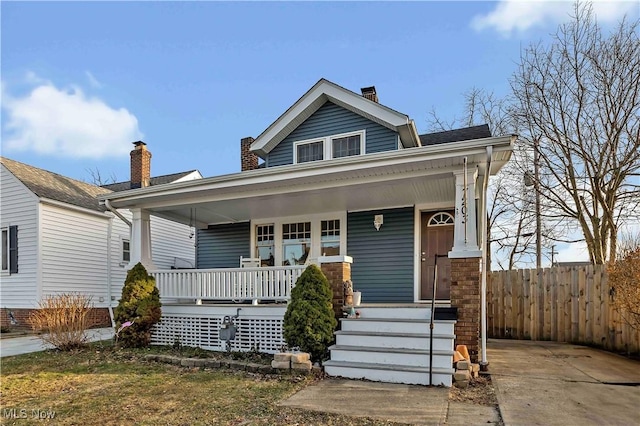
(441, 219)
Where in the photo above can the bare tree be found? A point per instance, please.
(97, 178)
(511, 209)
(580, 98)
(575, 105)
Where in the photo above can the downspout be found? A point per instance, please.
(109, 233)
(483, 289)
(109, 207)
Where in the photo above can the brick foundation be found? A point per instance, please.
(98, 317)
(465, 295)
(337, 273)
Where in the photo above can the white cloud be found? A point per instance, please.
(521, 15)
(65, 123)
(573, 252)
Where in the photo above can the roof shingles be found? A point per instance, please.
(456, 135)
(46, 184)
(56, 187)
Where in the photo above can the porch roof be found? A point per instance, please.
(373, 181)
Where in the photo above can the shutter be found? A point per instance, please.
(13, 249)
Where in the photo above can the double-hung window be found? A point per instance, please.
(334, 146)
(126, 250)
(311, 151)
(296, 243)
(10, 249)
(265, 244)
(330, 237)
(346, 146)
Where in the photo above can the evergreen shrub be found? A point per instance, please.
(309, 322)
(140, 305)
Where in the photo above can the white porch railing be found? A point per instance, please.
(264, 283)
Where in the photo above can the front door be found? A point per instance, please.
(436, 239)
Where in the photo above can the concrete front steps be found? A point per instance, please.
(391, 344)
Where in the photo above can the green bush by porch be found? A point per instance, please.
(309, 321)
(140, 304)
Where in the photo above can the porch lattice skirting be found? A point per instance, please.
(258, 327)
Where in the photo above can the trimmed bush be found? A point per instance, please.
(139, 305)
(63, 320)
(310, 321)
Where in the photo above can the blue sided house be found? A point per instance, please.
(344, 182)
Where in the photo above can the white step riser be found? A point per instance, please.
(389, 376)
(397, 313)
(392, 358)
(399, 342)
(395, 327)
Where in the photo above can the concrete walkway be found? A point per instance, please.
(537, 383)
(417, 405)
(549, 383)
(28, 344)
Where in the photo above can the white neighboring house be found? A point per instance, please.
(56, 238)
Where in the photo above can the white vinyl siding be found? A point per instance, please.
(170, 241)
(19, 207)
(66, 250)
(74, 252)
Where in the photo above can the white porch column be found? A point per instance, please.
(140, 244)
(465, 241)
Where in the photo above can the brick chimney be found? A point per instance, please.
(370, 93)
(140, 165)
(248, 160)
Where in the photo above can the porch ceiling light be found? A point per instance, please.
(378, 220)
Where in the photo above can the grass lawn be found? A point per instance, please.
(106, 386)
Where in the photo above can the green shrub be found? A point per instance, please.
(140, 305)
(63, 320)
(310, 321)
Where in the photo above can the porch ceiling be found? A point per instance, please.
(373, 181)
(349, 197)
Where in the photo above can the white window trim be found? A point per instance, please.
(121, 251)
(316, 232)
(327, 145)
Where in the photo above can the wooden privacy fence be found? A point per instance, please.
(565, 304)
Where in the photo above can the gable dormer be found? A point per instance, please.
(330, 122)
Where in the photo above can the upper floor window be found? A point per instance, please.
(10, 249)
(311, 151)
(334, 146)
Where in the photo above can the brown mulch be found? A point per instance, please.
(480, 391)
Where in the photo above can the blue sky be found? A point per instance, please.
(82, 80)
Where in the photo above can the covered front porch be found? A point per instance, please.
(363, 218)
